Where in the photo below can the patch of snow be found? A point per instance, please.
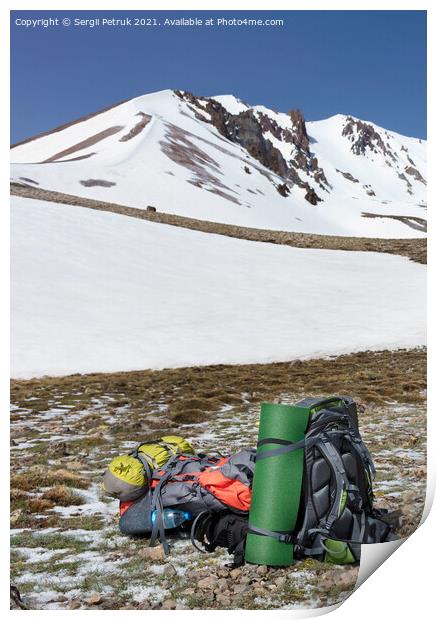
(231, 103)
(146, 593)
(99, 292)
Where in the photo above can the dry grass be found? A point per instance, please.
(372, 376)
(40, 476)
(61, 495)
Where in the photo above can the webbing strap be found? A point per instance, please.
(360, 446)
(145, 463)
(364, 452)
(286, 446)
(282, 536)
(158, 529)
(332, 456)
(311, 551)
(158, 524)
(323, 533)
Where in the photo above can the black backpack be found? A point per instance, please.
(336, 513)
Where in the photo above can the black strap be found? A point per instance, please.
(158, 529)
(313, 403)
(282, 536)
(286, 446)
(333, 458)
(205, 515)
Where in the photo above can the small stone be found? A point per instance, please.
(222, 572)
(222, 583)
(188, 592)
(144, 605)
(280, 581)
(181, 606)
(94, 599)
(240, 588)
(235, 572)
(152, 553)
(74, 604)
(223, 600)
(16, 516)
(208, 582)
(169, 570)
(195, 575)
(207, 596)
(262, 570)
(169, 604)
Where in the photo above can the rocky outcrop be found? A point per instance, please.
(245, 130)
(268, 124)
(348, 176)
(302, 158)
(283, 189)
(97, 183)
(413, 172)
(138, 128)
(312, 197)
(364, 137)
(300, 136)
(248, 129)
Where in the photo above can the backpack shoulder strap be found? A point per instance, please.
(333, 458)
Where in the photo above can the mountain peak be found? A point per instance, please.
(231, 103)
(219, 158)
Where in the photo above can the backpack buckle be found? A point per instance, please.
(285, 538)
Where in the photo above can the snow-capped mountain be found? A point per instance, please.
(222, 160)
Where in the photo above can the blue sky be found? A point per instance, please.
(371, 64)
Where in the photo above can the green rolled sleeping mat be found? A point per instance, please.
(277, 484)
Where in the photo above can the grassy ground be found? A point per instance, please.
(66, 549)
(415, 249)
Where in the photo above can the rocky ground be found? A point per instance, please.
(67, 552)
(415, 249)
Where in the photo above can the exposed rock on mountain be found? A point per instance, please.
(415, 174)
(363, 136)
(218, 158)
(249, 129)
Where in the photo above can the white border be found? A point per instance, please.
(402, 586)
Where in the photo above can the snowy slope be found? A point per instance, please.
(95, 291)
(173, 151)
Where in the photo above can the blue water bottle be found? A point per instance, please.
(172, 517)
